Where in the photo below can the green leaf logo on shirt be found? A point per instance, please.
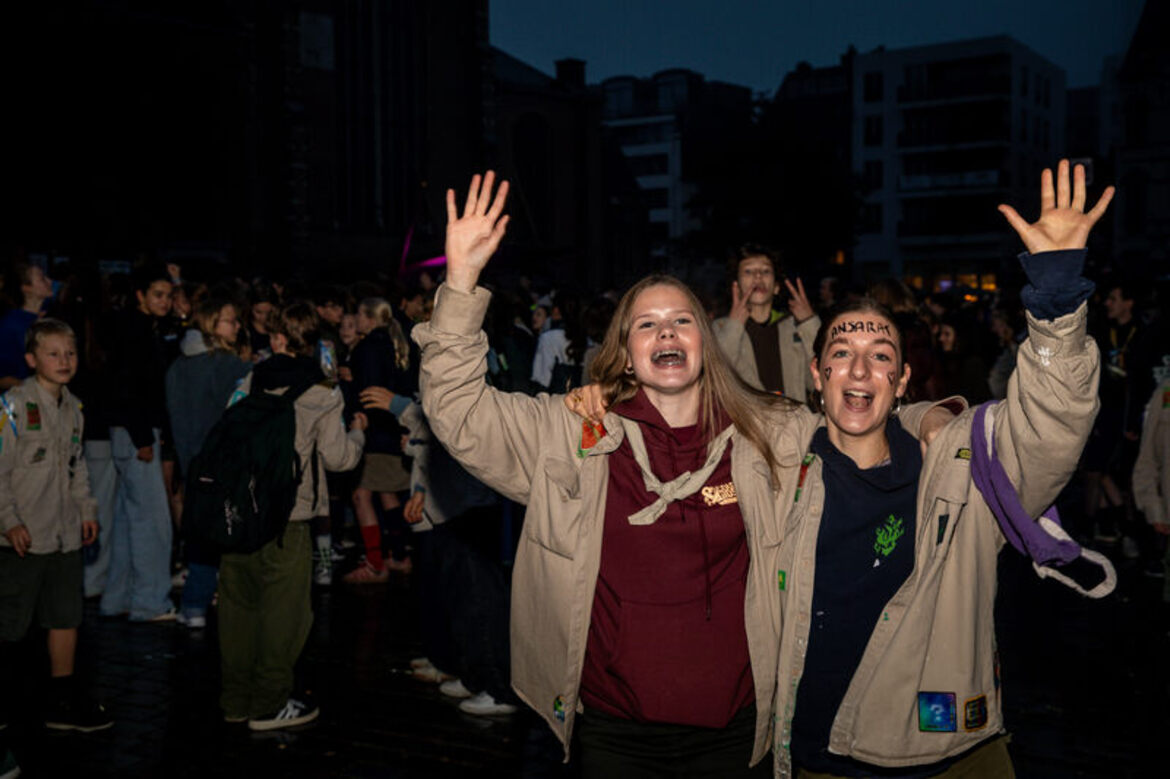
(887, 537)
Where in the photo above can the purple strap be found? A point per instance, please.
(1020, 529)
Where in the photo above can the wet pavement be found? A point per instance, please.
(1085, 695)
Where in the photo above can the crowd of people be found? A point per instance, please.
(675, 466)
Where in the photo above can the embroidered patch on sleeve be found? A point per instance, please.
(590, 435)
(963, 454)
(559, 708)
(32, 416)
(975, 713)
(782, 579)
(936, 712)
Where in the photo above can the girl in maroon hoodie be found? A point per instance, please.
(666, 680)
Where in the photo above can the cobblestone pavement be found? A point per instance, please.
(1085, 693)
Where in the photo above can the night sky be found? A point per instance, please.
(755, 42)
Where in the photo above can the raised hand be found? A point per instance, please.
(1063, 222)
(739, 304)
(798, 304)
(473, 237)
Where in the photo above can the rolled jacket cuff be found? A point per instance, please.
(1063, 335)
(459, 313)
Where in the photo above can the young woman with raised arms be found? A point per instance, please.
(644, 600)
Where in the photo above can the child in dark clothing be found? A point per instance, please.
(139, 580)
(381, 359)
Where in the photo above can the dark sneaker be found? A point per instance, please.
(79, 714)
(293, 713)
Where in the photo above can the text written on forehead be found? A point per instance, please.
(858, 326)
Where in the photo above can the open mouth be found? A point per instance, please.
(858, 400)
(668, 357)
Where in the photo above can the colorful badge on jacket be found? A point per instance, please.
(33, 416)
(975, 713)
(936, 712)
(590, 435)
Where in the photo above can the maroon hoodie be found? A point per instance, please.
(666, 638)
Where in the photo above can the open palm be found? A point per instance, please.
(473, 238)
(1063, 222)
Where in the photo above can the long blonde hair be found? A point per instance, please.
(380, 311)
(719, 385)
(205, 317)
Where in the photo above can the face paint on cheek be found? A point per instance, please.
(890, 378)
(828, 372)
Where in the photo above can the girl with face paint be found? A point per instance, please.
(890, 549)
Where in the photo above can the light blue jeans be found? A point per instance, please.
(103, 484)
(139, 581)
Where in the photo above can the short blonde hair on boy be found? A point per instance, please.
(43, 328)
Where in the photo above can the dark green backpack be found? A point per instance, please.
(242, 486)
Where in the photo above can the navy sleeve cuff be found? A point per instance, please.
(1056, 285)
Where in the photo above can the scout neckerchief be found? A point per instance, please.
(682, 486)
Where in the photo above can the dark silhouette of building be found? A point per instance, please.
(577, 215)
(272, 134)
(670, 127)
(1142, 151)
(942, 134)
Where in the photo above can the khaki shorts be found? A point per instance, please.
(384, 473)
(45, 586)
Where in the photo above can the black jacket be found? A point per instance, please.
(137, 361)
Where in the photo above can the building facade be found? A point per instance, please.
(662, 125)
(941, 135)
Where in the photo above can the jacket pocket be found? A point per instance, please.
(36, 451)
(553, 519)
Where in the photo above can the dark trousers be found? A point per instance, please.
(478, 601)
(264, 618)
(434, 619)
(616, 748)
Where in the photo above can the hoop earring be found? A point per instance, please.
(897, 409)
(629, 370)
(821, 398)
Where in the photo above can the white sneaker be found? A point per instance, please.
(294, 713)
(431, 675)
(323, 572)
(195, 621)
(484, 705)
(179, 580)
(454, 689)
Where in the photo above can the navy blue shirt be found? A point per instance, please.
(865, 551)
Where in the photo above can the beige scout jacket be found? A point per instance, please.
(44, 483)
(526, 448)
(937, 634)
(796, 344)
(319, 423)
(1151, 472)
